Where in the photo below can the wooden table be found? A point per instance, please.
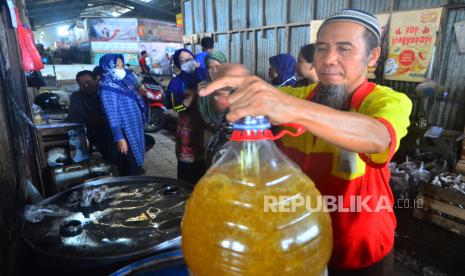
(50, 136)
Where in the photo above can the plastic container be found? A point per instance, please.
(255, 212)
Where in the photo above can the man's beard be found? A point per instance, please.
(334, 96)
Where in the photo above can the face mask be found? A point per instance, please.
(188, 67)
(119, 73)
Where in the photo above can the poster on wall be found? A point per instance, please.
(314, 26)
(412, 37)
(179, 20)
(383, 21)
(112, 29)
(131, 58)
(78, 34)
(114, 47)
(159, 31)
(159, 54)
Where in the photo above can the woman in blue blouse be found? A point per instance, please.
(126, 113)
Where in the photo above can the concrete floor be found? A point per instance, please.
(161, 159)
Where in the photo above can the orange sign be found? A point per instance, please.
(179, 21)
(412, 36)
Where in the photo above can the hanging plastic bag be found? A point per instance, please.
(30, 56)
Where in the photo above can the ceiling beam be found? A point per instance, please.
(146, 6)
(151, 15)
(58, 8)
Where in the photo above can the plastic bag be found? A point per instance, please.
(30, 56)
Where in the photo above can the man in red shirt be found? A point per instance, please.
(144, 68)
(353, 129)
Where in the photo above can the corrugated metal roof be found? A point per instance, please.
(222, 44)
(255, 13)
(326, 8)
(418, 4)
(198, 16)
(248, 48)
(447, 112)
(239, 18)
(281, 41)
(275, 12)
(300, 11)
(188, 18)
(236, 50)
(299, 37)
(210, 18)
(371, 6)
(266, 48)
(222, 14)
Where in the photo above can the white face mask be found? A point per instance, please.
(119, 73)
(188, 67)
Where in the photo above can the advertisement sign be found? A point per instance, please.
(112, 29)
(159, 31)
(114, 47)
(314, 26)
(179, 21)
(412, 37)
(78, 34)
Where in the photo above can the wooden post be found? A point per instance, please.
(193, 26)
(17, 146)
(461, 163)
(254, 53)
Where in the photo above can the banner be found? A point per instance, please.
(314, 26)
(159, 31)
(383, 21)
(179, 21)
(112, 29)
(412, 37)
(114, 47)
(78, 34)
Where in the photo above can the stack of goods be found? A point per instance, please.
(452, 181)
(408, 177)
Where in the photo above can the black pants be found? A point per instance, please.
(385, 267)
(126, 163)
(191, 172)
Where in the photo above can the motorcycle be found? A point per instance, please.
(156, 109)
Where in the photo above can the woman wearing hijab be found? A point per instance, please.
(126, 113)
(181, 95)
(282, 70)
(208, 107)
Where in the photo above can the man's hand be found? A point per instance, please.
(252, 97)
(122, 146)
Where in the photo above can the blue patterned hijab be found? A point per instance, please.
(285, 66)
(126, 87)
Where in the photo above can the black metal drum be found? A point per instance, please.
(167, 264)
(105, 224)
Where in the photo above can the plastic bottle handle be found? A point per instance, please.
(299, 131)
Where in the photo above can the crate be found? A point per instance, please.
(442, 207)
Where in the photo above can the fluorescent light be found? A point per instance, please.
(115, 14)
(62, 31)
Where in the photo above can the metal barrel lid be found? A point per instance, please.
(111, 218)
(166, 264)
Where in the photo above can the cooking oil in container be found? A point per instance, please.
(255, 212)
